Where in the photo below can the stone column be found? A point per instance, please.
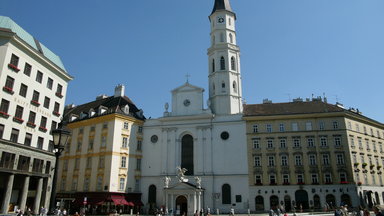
(7, 195)
(195, 206)
(199, 200)
(24, 193)
(39, 189)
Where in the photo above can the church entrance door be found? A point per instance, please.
(182, 205)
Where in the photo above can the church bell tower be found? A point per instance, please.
(225, 90)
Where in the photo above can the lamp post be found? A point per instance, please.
(60, 139)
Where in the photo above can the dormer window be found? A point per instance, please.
(91, 112)
(73, 117)
(102, 110)
(126, 109)
(83, 115)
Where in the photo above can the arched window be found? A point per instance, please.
(187, 154)
(223, 84)
(152, 194)
(222, 63)
(234, 86)
(213, 40)
(230, 21)
(213, 86)
(226, 192)
(233, 63)
(222, 37)
(213, 65)
(230, 38)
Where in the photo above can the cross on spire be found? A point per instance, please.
(187, 76)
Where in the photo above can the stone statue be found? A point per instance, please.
(166, 106)
(198, 181)
(180, 174)
(166, 181)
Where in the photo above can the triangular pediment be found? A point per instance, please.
(183, 186)
(187, 87)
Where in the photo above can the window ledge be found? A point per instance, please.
(13, 67)
(8, 90)
(4, 115)
(18, 120)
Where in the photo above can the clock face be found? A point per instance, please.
(187, 102)
(220, 20)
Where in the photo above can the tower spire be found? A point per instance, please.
(222, 5)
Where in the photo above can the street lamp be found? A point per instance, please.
(60, 139)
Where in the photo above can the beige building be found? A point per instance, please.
(33, 84)
(102, 162)
(313, 154)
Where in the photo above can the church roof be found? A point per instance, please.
(222, 5)
(111, 104)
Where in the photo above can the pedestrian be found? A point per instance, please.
(377, 211)
(232, 211)
(271, 212)
(76, 214)
(366, 212)
(278, 212)
(339, 212)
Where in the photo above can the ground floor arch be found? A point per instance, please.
(287, 203)
(274, 202)
(331, 200)
(301, 197)
(316, 202)
(181, 205)
(346, 199)
(259, 203)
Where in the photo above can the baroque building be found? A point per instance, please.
(34, 84)
(208, 142)
(102, 162)
(312, 154)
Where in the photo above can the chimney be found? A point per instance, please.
(119, 90)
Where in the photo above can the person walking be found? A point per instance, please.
(377, 211)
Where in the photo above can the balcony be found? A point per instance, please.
(43, 129)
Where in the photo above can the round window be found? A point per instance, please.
(224, 135)
(154, 139)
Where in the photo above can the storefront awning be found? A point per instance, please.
(120, 200)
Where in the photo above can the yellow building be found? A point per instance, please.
(102, 163)
(312, 155)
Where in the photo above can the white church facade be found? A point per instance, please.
(209, 143)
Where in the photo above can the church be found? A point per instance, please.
(196, 153)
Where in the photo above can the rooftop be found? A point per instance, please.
(8, 23)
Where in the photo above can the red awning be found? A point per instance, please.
(120, 200)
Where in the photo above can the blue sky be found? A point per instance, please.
(289, 48)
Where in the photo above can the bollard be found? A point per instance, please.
(217, 211)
